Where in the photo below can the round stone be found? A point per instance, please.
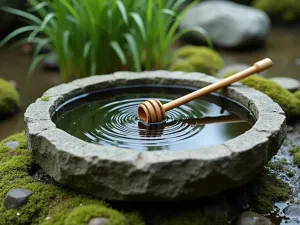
(16, 198)
(290, 84)
(12, 145)
(99, 221)
(117, 173)
(292, 210)
(252, 218)
(50, 63)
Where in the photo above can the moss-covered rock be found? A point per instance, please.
(266, 189)
(82, 215)
(287, 101)
(297, 94)
(49, 204)
(197, 59)
(9, 98)
(285, 10)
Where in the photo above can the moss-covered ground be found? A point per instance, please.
(9, 99)
(54, 205)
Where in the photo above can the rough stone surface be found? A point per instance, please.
(290, 84)
(292, 211)
(252, 218)
(227, 24)
(123, 174)
(99, 221)
(12, 145)
(16, 198)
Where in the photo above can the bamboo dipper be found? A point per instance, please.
(153, 111)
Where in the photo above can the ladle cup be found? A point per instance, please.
(153, 111)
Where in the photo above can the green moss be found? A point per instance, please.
(266, 189)
(81, 215)
(290, 174)
(287, 101)
(285, 10)
(297, 94)
(296, 154)
(45, 98)
(197, 59)
(47, 201)
(194, 218)
(277, 165)
(9, 98)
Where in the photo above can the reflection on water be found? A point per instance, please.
(110, 118)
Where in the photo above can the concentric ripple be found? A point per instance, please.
(112, 120)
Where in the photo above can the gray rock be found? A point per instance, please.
(153, 175)
(288, 83)
(252, 218)
(292, 211)
(50, 63)
(230, 25)
(16, 198)
(232, 68)
(12, 145)
(99, 221)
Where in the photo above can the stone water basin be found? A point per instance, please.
(118, 172)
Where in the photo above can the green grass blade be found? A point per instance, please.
(37, 6)
(22, 14)
(16, 33)
(86, 49)
(41, 44)
(169, 12)
(122, 9)
(149, 11)
(34, 64)
(118, 50)
(66, 39)
(33, 34)
(199, 30)
(134, 51)
(139, 22)
(70, 8)
(47, 19)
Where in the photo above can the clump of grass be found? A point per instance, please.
(296, 153)
(277, 165)
(103, 36)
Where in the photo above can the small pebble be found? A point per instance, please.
(12, 145)
(290, 84)
(253, 218)
(16, 198)
(99, 221)
(292, 210)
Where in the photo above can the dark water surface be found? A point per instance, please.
(110, 118)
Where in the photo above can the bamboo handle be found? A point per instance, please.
(256, 68)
